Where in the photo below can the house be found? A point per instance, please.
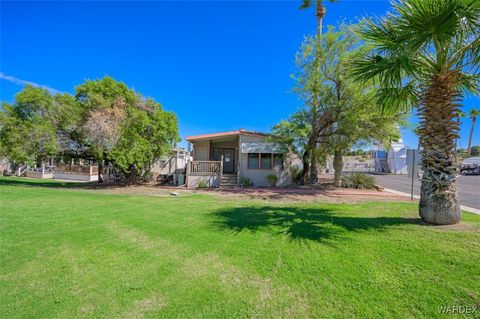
(397, 158)
(392, 161)
(237, 157)
(171, 167)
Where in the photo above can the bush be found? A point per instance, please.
(272, 179)
(358, 181)
(296, 175)
(202, 184)
(245, 182)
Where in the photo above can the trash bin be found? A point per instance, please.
(181, 179)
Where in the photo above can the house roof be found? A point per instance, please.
(225, 134)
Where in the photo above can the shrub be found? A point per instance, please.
(272, 179)
(358, 181)
(202, 184)
(245, 182)
(296, 174)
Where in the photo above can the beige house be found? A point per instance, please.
(169, 168)
(236, 157)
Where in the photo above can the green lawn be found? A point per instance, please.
(69, 253)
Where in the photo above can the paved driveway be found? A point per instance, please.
(468, 187)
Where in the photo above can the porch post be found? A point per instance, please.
(239, 173)
(187, 173)
(221, 166)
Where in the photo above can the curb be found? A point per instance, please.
(465, 208)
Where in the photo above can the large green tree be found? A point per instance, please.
(27, 132)
(350, 116)
(426, 54)
(121, 126)
(104, 121)
(312, 88)
(347, 114)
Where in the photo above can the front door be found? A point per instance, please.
(228, 160)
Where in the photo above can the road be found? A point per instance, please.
(468, 187)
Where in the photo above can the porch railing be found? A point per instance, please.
(76, 169)
(205, 168)
(42, 169)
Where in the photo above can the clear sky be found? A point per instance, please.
(219, 65)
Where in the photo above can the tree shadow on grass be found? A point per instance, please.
(49, 183)
(315, 224)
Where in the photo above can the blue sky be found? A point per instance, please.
(218, 65)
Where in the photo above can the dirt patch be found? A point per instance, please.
(307, 194)
(293, 194)
(460, 226)
(142, 307)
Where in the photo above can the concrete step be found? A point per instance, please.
(229, 181)
(228, 186)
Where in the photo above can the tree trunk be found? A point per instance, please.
(469, 149)
(338, 167)
(439, 202)
(100, 170)
(313, 167)
(305, 159)
(131, 175)
(320, 14)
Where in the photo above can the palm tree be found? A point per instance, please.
(421, 55)
(310, 153)
(320, 12)
(473, 116)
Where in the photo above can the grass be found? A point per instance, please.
(69, 253)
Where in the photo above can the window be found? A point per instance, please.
(266, 161)
(278, 161)
(252, 161)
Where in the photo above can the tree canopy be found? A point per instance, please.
(105, 120)
(347, 112)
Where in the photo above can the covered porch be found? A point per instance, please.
(216, 161)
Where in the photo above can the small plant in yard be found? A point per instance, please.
(358, 181)
(245, 182)
(272, 180)
(202, 184)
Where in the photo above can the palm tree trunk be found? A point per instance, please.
(315, 104)
(439, 202)
(470, 136)
(338, 167)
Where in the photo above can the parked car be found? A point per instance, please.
(471, 166)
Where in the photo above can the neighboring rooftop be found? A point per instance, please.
(225, 134)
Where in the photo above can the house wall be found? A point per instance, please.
(166, 164)
(201, 151)
(38, 174)
(76, 177)
(259, 176)
(397, 160)
(225, 144)
(211, 180)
